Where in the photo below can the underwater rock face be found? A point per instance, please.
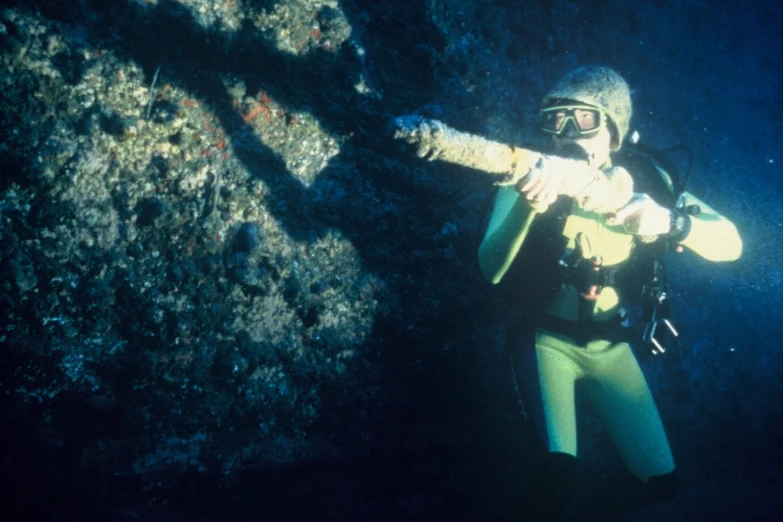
(227, 292)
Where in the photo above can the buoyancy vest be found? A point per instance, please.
(538, 273)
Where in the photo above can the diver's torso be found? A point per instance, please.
(588, 234)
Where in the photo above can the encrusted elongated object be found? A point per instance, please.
(594, 189)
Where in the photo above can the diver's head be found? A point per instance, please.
(589, 107)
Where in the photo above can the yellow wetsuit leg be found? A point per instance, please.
(616, 388)
(619, 394)
(557, 374)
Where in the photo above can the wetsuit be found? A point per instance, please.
(604, 363)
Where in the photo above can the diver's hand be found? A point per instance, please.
(642, 217)
(541, 185)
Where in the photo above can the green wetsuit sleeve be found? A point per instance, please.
(511, 218)
(712, 236)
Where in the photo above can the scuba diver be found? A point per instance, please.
(572, 279)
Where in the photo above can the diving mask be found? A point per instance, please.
(584, 120)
